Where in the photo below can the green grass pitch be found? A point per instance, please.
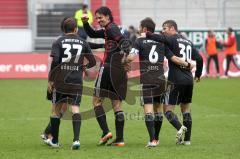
(24, 114)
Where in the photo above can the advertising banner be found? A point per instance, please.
(25, 65)
(33, 65)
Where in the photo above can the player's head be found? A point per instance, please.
(229, 30)
(169, 27)
(147, 24)
(69, 25)
(103, 16)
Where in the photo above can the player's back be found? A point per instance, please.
(151, 58)
(183, 48)
(69, 50)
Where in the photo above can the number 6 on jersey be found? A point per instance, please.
(153, 55)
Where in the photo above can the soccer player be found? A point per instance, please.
(46, 135)
(182, 79)
(112, 78)
(151, 57)
(65, 77)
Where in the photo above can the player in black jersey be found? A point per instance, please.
(46, 135)
(65, 77)
(112, 78)
(151, 58)
(181, 78)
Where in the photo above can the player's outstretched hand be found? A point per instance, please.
(50, 86)
(197, 79)
(84, 18)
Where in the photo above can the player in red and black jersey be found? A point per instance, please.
(182, 78)
(112, 78)
(65, 77)
(151, 58)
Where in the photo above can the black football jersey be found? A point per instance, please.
(113, 37)
(151, 58)
(183, 48)
(68, 53)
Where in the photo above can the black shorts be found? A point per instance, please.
(152, 94)
(111, 84)
(72, 99)
(178, 94)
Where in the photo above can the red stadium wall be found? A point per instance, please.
(34, 65)
(13, 13)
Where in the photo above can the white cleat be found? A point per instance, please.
(180, 134)
(186, 143)
(54, 145)
(154, 143)
(224, 77)
(47, 141)
(75, 145)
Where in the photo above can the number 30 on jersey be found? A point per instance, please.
(186, 52)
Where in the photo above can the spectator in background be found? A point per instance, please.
(78, 15)
(230, 50)
(211, 45)
(132, 33)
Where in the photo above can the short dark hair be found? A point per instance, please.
(84, 6)
(105, 11)
(69, 24)
(171, 23)
(149, 24)
(62, 22)
(230, 29)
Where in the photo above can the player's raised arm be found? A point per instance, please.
(199, 63)
(92, 33)
(158, 37)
